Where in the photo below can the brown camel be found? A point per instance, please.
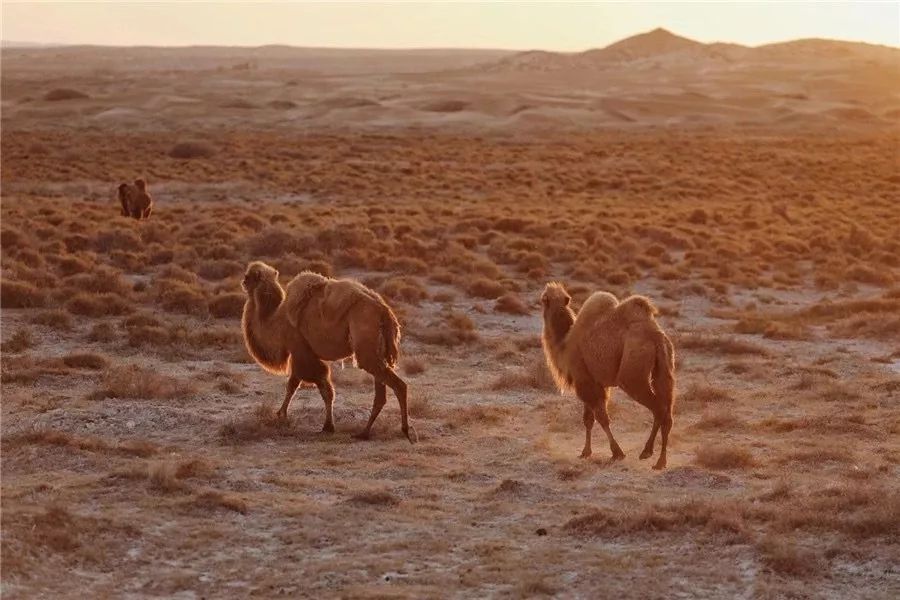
(294, 331)
(611, 344)
(135, 200)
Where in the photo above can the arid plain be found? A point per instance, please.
(752, 193)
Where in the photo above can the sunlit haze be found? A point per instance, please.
(551, 26)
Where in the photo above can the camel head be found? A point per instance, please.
(140, 184)
(258, 273)
(554, 297)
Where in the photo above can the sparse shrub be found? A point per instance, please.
(215, 270)
(85, 361)
(227, 306)
(98, 305)
(262, 423)
(175, 296)
(724, 457)
(17, 294)
(61, 94)
(698, 216)
(705, 394)
(55, 319)
(785, 557)
(511, 304)
(377, 498)
(483, 287)
(102, 332)
(274, 242)
(134, 382)
(413, 365)
(406, 289)
(213, 499)
(20, 341)
(187, 150)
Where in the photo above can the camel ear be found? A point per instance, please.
(566, 300)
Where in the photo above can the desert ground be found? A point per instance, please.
(751, 193)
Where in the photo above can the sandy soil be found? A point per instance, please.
(140, 455)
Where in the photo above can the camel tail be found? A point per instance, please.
(664, 372)
(390, 334)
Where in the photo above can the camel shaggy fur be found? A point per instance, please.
(135, 200)
(295, 331)
(611, 344)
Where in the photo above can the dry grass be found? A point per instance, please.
(135, 382)
(793, 437)
(720, 456)
(86, 361)
(511, 304)
(413, 365)
(262, 423)
(66, 439)
(705, 394)
(20, 341)
(192, 149)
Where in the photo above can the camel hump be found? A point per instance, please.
(300, 291)
(597, 305)
(635, 308)
(340, 296)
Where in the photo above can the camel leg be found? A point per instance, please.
(648, 447)
(636, 383)
(327, 391)
(292, 384)
(588, 419)
(666, 426)
(602, 416)
(399, 387)
(377, 405)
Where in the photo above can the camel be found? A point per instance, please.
(293, 331)
(611, 344)
(135, 200)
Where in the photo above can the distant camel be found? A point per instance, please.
(135, 200)
(611, 344)
(317, 319)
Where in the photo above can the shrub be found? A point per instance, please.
(262, 423)
(483, 287)
(132, 382)
(178, 297)
(20, 341)
(15, 294)
(57, 319)
(60, 94)
(85, 361)
(724, 457)
(98, 305)
(413, 366)
(102, 332)
(227, 306)
(511, 304)
(187, 150)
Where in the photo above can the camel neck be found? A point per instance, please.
(559, 321)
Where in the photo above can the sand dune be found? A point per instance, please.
(652, 79)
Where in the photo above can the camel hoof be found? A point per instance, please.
(362, 435)
(281, 415)
(328, 428)
(586, 453)
(659, 466)
(618, 456)
(412, 438)
(646, 454)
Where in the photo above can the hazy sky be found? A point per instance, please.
(513, 25)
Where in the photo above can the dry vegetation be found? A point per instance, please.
(142, 455)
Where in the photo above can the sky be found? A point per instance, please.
(562, 26)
